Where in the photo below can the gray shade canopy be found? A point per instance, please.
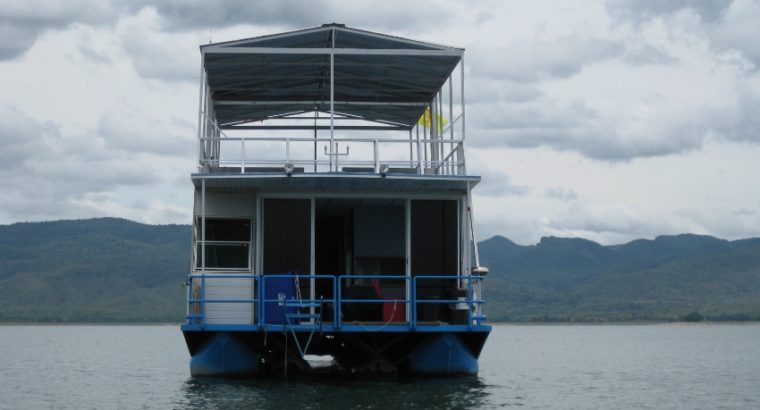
(377, 77)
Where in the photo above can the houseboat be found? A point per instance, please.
(332, 215)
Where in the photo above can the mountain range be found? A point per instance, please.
(115, 270)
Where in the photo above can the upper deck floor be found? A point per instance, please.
(332, 100)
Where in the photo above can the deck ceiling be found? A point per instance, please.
(377, 77)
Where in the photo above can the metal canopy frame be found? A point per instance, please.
(369, 75)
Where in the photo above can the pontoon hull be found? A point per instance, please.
(254, 353)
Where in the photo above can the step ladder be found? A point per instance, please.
(309, 311)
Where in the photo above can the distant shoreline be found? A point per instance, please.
(89, 324)
(504, 324)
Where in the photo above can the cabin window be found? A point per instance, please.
(228, 243)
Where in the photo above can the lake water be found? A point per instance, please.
(553, 366)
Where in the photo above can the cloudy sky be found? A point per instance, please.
(608, 120)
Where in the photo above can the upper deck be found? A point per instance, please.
(328, 103)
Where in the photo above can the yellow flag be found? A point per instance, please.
(425, 120)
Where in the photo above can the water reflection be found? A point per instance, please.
(334, 393)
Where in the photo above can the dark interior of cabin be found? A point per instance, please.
(365, 238)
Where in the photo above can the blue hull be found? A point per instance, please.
(224, 354)
(256, 353)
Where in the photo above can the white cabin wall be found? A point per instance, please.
(229, 313)
(228, 204)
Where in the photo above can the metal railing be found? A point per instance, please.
(390, 300)
(437, 156)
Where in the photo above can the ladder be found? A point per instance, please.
(303, 310)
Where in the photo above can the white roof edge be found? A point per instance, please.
(331, 27)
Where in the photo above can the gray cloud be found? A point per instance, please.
(161, 56)
(23, 21)
(738, 30)
(93, 55)
(639, 11)
(606, 224)
(561, 194)
(642, 54)
(180, 15)
(577, 127)
(728, 24)
(496, 183)
(125, 129)
(533, 60)
(45, 171)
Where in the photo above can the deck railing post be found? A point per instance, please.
(287, 150)
(414, 303)
(203, 299)
(376, 159)
(470, 302)
(242, 155)
(338, 302)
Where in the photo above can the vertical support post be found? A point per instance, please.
(434, 159)
(332, 98)
(376, 159)
(461, 144)
(425, 137)
(203, 225)
(419, 151)
(316, 115)
(312, 260)
(441, 133)
(472, 224)
(408, 251)
(460, 269)
(203, 251)
(338, 301)
(411, 149)
(452, 157)
(259, 223)
(242, 155)
(201, 97)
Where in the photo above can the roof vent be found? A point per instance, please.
(333, 24)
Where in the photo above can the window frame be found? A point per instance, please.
(197, 232)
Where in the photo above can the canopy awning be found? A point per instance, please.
(377, 77)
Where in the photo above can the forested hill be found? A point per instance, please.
(93, 270)
(662, 279)
(114, 270)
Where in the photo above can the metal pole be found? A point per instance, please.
(461, 144)
(203, 225)
(312, 259)
(451, 125)
(420, 165)
(425, 137)
(411, 149)
(201, 96)
(439, 121)
(408, 250)
(316, 115)
(472, 225)
(463, 104)
(332, 96)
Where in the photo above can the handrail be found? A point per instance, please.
(445, 166)
(197, 300)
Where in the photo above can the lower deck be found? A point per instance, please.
(346, 303)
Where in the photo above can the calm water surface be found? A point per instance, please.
(609, 367)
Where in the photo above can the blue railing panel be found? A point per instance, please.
(262, 300)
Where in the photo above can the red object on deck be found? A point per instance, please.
(391, 314)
